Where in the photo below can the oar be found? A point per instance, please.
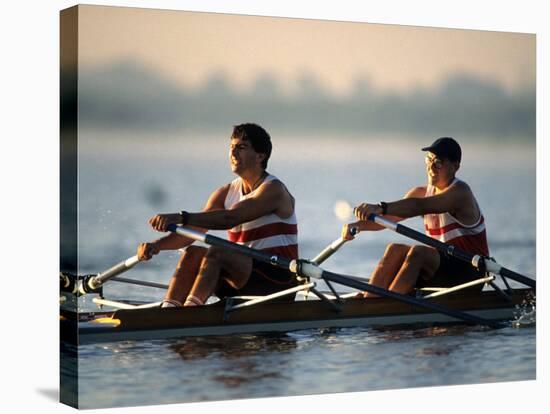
(331, 249)
(94, 282)
(479, 262)
(302, 267)
(342, 210)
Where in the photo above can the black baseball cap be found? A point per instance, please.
(445, 147)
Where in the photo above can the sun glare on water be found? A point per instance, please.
(343, 210)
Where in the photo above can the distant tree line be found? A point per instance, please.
(127, 95)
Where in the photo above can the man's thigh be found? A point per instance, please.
(236, 268)
(429, 260)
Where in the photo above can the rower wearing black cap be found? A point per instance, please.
(451, 215)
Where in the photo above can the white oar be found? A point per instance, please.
(342, 210)
(93, 282)
(331, 249)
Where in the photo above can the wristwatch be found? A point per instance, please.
(184, 217)
(384, 207)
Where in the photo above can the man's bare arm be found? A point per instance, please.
(366, 225)
(266, 201)
(453, 198)
(415, 192)
(214, 202)
(175, 241)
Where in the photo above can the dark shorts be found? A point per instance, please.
(452, 272)
(264, 280)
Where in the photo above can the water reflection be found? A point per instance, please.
(249, 356)
(428, 341)
(233, 346)
(400, 333)
(244, 376)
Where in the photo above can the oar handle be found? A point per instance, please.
(476, 261)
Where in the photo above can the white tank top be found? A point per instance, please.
(269, 233)
(447, 229)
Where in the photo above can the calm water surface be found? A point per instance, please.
(122, 185)
(299, 363)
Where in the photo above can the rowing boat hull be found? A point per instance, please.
(159, 323)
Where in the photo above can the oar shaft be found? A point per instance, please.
(474, 260)
(98, 280)
(328, 251)
(331, 248)
(421, 237)
(510, 274)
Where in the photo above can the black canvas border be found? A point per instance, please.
(68, 260)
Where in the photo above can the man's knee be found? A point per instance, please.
(191, 256)
(215, 255)
(394, 249)
(418, 254)
(393, 255)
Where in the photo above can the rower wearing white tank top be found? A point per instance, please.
(451, 214)
(257, 210)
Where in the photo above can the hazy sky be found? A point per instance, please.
(189, 47)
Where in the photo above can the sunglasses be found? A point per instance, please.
(437, 163)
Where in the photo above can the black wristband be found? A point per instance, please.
(384, 206)
(184, 217)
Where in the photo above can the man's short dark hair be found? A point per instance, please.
(258, 138)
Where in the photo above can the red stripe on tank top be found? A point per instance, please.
(262, 232)
(437, 231)
(475, 244)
